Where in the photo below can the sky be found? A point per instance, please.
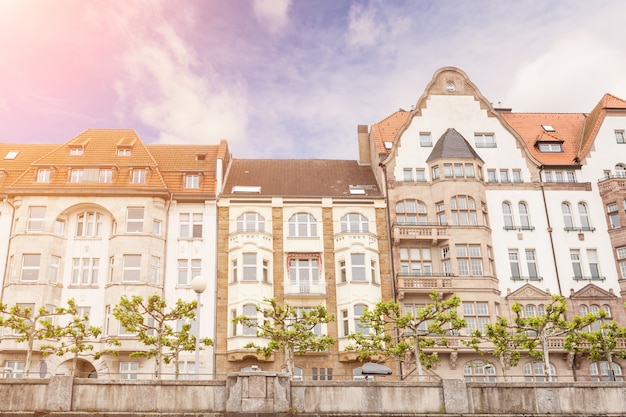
(289, 78)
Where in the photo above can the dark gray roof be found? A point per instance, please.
(452, 145)
(301, 178)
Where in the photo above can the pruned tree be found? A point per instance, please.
(181, 341)
(76, 337)
(395, 334)
(154, 324)
(29, 325)
(504, 341)
(288, 329)
(598, 345)
(535, 331)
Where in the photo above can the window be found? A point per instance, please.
(373, 272)
(583, 215)
(420, 174)
(407, 174)
(345, 323)
(524, 217)
(191, 225)
(83, 314)
(478, 371)
(30, 267)
(621, 258)
(188, 269)
(76, 150)
(11, 155)
(187, 370)
(592, 258)
(53, 270)
(43, 175)
(476, 316)
(249, 310)
(535, 372)
(88, 224)
(568, 220)
(251, 222)
(301, 312)
(249, 267)
(131, 271)
(416, 261)
(514, 263)
(504, 175)
(357, 261)
(303, 273)
(155, 267)
(123, 151)
(14, 369)
(58, 227)
(531, 263)
(139, 176)
(548, 128)
(411, 212)
(156, 227)
(613, 214)
(619, 136)
(85, 271)
(36, 216)
(441, 214)
(76, 176)
(128, 370)
(463, 211)
(302, 225)
(435, 171)
(447, 170)
(458, 171)
(192, 181)
(355, 223)
(106, 176)
(469, 171)
(425, 140)
(343, 274)
(517, 175)
(550, 147)
(576, 266)
(359, 327)
(599, 371)
(507, 213)
(234, 270)
(134, 220)
(469, 260)
(266, 271)
(322, 374)
(484, 140)
(491, 175)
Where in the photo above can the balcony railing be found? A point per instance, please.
(519, 228)
(306, 289)
(426, 231)
(589, 278)
(529, 278)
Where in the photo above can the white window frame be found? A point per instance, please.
(191, 225)
(129, 369)
(192, 181)
(85, 271)
(139, 176)
(355, 223)
(130, 271)
(88, 224)
(251, 221)
(44, 175)
(36, 218)
(134, 219)
(302, 225)
(31, 265)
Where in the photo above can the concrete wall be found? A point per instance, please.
(270, 394)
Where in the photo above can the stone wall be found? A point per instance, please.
(271, 394)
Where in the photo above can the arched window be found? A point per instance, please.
(251, 222)
(249, 310)
(463, 211)
(411, 212)
(567, 215)
(89, 224)
(530, 310)
(599, 371)
(302, 225)
(478, 371)
(355, 223)
(583, 215)
(524, 217)
(620, 170)
(507, 212)
(534, 371)
(359, 327)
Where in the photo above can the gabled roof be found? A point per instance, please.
(452, 145)
(567, 130)
(300, 178)
(386, 130)
(13, 168)
(595, 118)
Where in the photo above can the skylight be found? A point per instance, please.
(11, 155)
(357, 190)
(246, 189)
(388, 145)
(548, 128)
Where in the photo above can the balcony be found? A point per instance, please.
(305, 289)
(407, 284)
(612, 183)
(589, 278)
(527, 279)
(345, 240)
(259, 239)
(432, 232)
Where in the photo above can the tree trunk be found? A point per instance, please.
(546, 358)
(418, 359)
(29, 354)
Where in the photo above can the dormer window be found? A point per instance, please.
(200, 157)
(123, 151)
(548, 128)
(43, 175)
(76, 150)
(139, 176)
(550, 147)
(11, 155)
(192, 181)
(388, 145)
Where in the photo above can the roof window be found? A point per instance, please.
(357, 190)
(11, 155)
(388, 145)
(550, 147)
(200, 157)
(548, 128)
(246, 189)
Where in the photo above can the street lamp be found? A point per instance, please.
(198, 284)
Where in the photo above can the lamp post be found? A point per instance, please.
(198, 284)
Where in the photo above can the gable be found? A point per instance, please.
(592, 291)
(529, 292)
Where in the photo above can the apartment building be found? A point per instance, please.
(101, 216)
(498, 207)
(306, 233)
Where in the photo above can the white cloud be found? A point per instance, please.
(364, 28)
(273, 14)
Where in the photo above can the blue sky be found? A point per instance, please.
(289, 79)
